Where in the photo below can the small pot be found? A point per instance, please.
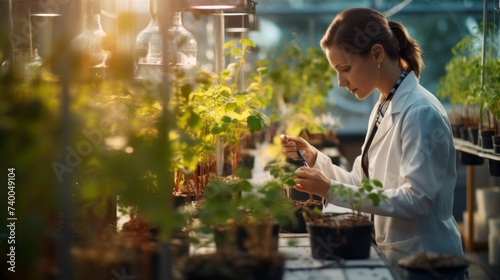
(237, 239)
(494, 167)
(486, 139)
(456, 130)
(473, 135)
(496, 143)
(426, 265)
(344, 242)
(298, 224)
(464, 133)
(233, 265)
(470, 159)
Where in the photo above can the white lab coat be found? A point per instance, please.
(413, 155)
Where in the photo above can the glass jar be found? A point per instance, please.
(91, 41)
(184, 43)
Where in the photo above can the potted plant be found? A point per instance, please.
(490, 102)
(244, 224)
(345, 236)
(300, 80)
(460, 84)
(428, 265)
(218, 111)
(283, 175)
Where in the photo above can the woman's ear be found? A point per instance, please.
(377, 52)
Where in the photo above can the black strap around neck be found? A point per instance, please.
(382, 108)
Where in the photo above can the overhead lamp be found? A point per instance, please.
(240, 23)
(221, 5)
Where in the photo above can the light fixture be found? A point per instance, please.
(240, 23)
(216, 4)
(244, 20)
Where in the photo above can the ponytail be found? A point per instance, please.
(356, 30)
(410, 52)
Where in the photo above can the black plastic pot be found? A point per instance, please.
(464, 133)
(237, 239)
(298, 224)
(455, 128)
(427, 265)
(332, 243)
(436, 274)
(494, 167)
(470, 159)
(234, 266)
(496, 143)
(486, 139)
(473, 135)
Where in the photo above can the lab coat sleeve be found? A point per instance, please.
(339, 175)
(324, 163)
(424, 168)
(425, 164)
(426, 146)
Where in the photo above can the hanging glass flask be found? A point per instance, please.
(92, 40)
(148, 49)
(183, 42)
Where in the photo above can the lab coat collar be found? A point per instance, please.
(397, 103)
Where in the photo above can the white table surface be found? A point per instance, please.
(300, 265)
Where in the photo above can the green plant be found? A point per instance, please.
(462, 83)
(232, 203)
(489, 95)
(370, 190)
(300, 80)
(218, 110)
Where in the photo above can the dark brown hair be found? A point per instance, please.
(357, 30)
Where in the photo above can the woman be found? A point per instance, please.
(409, 146)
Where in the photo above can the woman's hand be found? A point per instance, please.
(313, 181)
(290, 145)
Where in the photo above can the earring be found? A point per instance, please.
(379, 66)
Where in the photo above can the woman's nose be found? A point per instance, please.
(343, 82)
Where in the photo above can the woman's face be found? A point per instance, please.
(359, 74)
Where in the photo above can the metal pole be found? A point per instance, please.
(219, 67)
(65, 200)
(483, 50)
(166, 10)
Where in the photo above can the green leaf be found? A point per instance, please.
(226, 119)
(263, 70)
(231, 105)
(375, 198)
(216, 129)
(290, 182)
(244, 173)
(254, 123)
(247, 42)
(228, 44)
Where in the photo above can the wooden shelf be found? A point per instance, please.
(477, 245)
(468, 147)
